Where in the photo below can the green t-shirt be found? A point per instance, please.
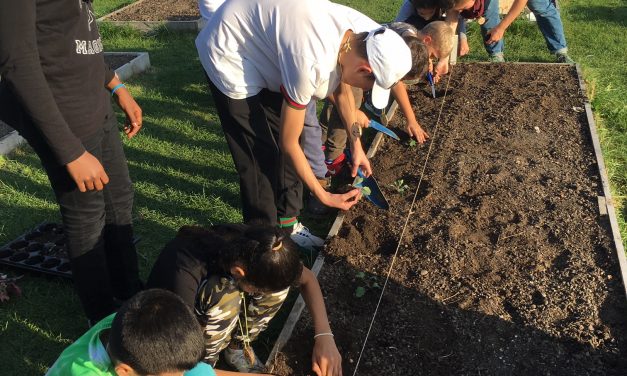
(88, 356)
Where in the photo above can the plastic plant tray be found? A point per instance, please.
(42, 249)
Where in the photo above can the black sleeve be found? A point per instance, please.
(22, 73)
(176, 269)
(109, 73)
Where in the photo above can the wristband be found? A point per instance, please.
(116, 87)
(323, 334)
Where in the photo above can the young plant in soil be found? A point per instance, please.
(399, 186)
(365, 283)
(364, 190)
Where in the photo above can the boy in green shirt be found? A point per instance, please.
(153, 333)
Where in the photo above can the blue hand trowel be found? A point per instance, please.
(370, 188)
(381, 128)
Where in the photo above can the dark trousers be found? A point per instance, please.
(98, 224)
(269, 186)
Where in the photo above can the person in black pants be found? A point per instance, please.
(53, 92)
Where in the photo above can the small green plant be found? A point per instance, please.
(365, 283)
(412, 143)
(399, 186)
(366, 191)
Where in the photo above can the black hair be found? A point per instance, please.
(269, 258)
(419, 58)
(359, 44)
(426, 4)
(155, 332)
(449, 4)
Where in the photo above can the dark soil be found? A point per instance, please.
(505, 267)
(159, 10)
(116, 61)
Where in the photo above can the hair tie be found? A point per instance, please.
(278, 246)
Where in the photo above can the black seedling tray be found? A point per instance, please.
(42, 249)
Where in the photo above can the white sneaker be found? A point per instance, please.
(304, 238)
(236, 359)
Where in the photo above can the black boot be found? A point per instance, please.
(92, 284)
(122, 260)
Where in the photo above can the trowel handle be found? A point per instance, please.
(430, 78)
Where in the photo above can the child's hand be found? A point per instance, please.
(464, 48)
(361, 118)
(341, 201)
(415, 130)
(494, 35)
(326, 359)
(440, 70)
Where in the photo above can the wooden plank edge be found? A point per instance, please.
(618, 243)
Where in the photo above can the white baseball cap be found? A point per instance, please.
(390, 60)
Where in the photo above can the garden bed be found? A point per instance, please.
(506, 265)
(127, 64)
(148, 14)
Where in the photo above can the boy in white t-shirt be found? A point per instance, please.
(266, 60)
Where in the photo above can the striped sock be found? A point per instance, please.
(287, 222)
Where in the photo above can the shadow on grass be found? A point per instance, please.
(602, 14)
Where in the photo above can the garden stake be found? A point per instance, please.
(398, 245)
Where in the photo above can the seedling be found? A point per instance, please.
(364, 190)
(412, 143)
(365, 282)
(399, 186)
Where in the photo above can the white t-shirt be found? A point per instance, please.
(281, 45)
(208, 7)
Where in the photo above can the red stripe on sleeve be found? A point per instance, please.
(290, 101)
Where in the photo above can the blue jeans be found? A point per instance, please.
(492, 19)
(550, 24)
(311, 141)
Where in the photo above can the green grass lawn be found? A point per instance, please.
(183, 171)
(104, 7)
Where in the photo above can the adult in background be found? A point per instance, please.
(56, 92)
(265, 61)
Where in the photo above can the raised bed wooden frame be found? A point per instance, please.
(192, 25)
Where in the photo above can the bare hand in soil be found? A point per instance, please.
(494, 35)
(87, 173)
(132, 110)
(415, 130)
(326, 359)
(342, 201)
(464, 48)
(440, 70)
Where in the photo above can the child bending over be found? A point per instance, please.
(236, 277)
